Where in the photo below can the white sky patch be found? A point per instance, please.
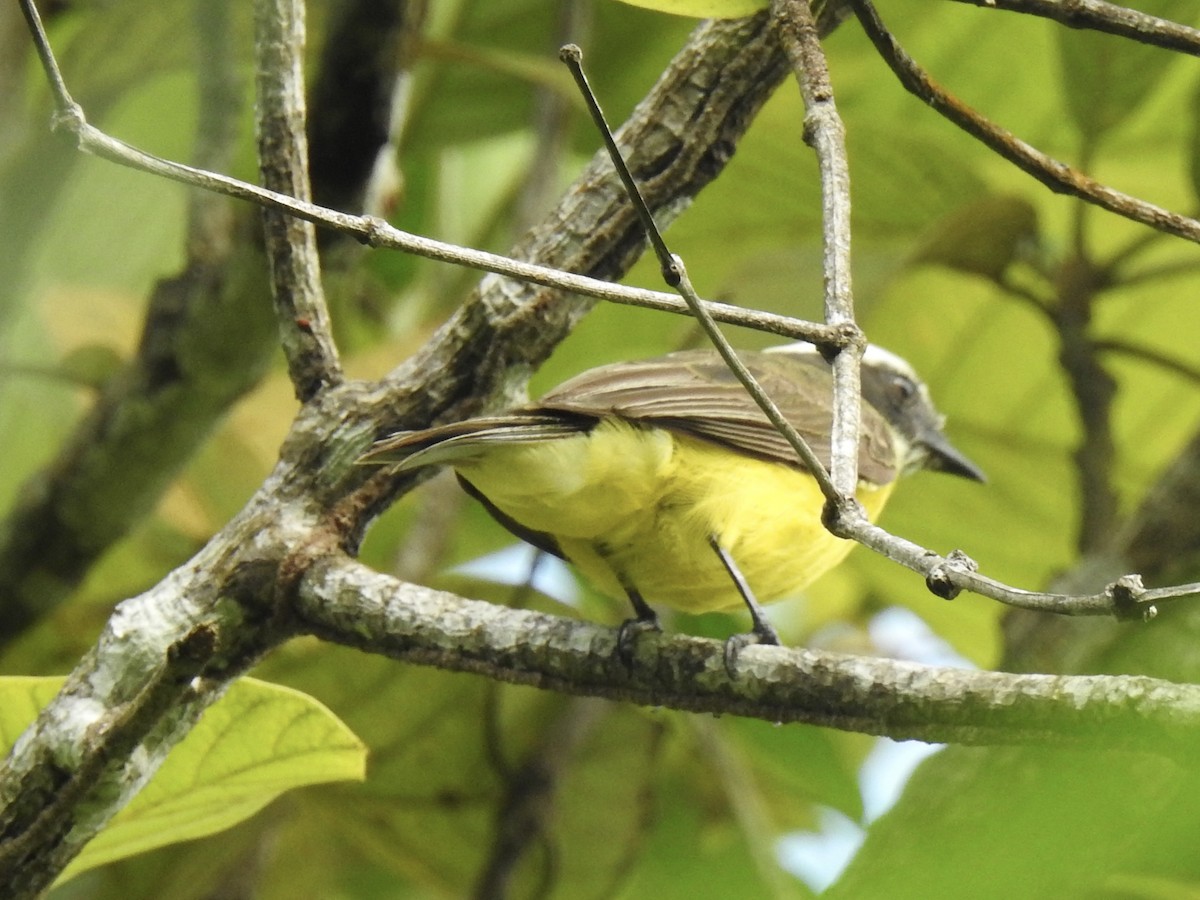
(900, 633)
(512, 566)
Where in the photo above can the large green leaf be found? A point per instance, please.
(1026, 822)
(255, 743)
(796, 766)
(1106, 78)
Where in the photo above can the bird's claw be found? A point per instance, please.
(762, 633)
(628, 634)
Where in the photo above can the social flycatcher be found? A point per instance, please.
(661, 479)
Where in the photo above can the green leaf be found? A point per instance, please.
(1106, 78)
(703, 9)
(1030, 807)
(797, 765)
(91, 365)
(982, 237)
(21, 698)
(255, 743)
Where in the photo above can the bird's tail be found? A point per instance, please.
(457, 441)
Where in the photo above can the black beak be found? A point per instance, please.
(943, 457)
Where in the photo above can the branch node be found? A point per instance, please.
(843, 516)
(942, 579)
(374, 229)
(673, 272)
(69, 118)
(191, 653)
(847, 335)
(1126, 595)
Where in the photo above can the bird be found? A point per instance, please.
(663, 482)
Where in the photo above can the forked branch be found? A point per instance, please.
(1055, 175)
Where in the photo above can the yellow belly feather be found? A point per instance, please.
(635, 506)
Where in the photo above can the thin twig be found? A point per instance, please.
(1138, 245)
(674, 272)
(1162, 272)
(824, 131)
(948, 576)
(305, 330)
(1023, 293)
(1110, 18)
(62, 97)
(1055, 175)
(1149, 354)
(375, 232)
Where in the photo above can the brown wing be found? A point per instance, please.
(693, 392)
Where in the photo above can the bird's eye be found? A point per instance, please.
(903, 389)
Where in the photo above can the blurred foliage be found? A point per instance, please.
(255, 743)
(632, 801)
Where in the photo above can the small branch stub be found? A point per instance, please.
(941, 578)
(1126, 594)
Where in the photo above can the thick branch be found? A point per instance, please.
(343, 601)
(162, 659)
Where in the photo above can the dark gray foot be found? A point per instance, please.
(761, 633)
(630, 631)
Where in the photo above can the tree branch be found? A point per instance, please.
(824, 131)
(167, 654)
(1055, 175)
(305, 330)
(1111, 18)
(163, 658)
(343, 601)
(316, 499)
(1167, 363)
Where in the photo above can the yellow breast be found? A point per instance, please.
(634, 507)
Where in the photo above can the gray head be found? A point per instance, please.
(891, 386)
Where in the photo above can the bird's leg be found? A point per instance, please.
(762, 631)
(645, 619)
